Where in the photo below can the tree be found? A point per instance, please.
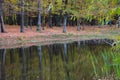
(39, 17)
(58, 11)
(75, 10)
(27, 5)
(119, 22)
(50, 15)
(103, 11)
(100, 10)
(1, 18)
(65, 2)
(22, 16)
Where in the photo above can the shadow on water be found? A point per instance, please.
(67, 61)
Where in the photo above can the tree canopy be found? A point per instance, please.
(100, 10)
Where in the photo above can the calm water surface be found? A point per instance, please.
(50, 62)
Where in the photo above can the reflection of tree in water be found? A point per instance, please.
(2, 57)
(40, 60)
(58, 55)
(30, 60)
(54, 58)
(50, 49)
(66, 62)
(50, 62)
(12, 62)
(23, 64)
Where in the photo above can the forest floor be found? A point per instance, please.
(13, 37)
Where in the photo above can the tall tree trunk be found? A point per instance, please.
(39, 17)
(83, 24)
(43, 21)
(78, 24)
(50, 19)
(31, 22)
(27, 14)
(14, 19)
(119, 22)
(2, 24)
(27, 21)
(65, 23)
(65, 2)
(60, 19)
(22, 16)
(1, 18)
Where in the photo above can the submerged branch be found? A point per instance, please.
(111, 43)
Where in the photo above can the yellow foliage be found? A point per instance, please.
(118, 38)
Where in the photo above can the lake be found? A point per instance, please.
(61, 61)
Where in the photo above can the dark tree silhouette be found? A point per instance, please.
(78, 24)
(22, 16)
(1, 18)
(50, 15)
(39, 16)
(65, 23)
(60, 19)
(119, 22)
(27, 18)
(65, 2)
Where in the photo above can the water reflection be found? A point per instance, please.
(2, 57)
(50, 50)
(23, 64)
(66, 61)
(50, 62)
(40, 57)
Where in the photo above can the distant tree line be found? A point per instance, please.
(58, 13)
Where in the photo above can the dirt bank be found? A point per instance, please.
(13, 38)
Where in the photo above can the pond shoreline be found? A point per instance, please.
(46, 40)
(30, 37)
